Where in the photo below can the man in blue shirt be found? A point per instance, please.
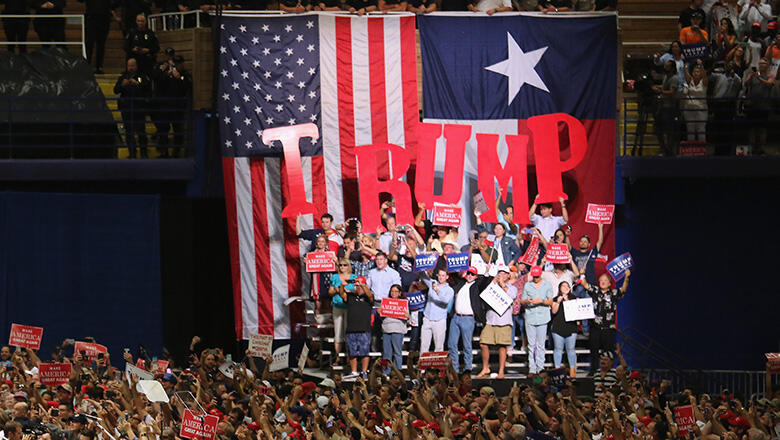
(379, 280)
(537, 299)
(435, 314)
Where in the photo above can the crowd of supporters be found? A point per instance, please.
(100, 401)
(719, 81)
(381, 264)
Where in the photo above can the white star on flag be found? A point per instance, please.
(232, 39)
(255, 40)
(265, 28)
(242, 28)
(288, 28)
(518, 67)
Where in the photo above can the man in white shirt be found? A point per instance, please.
(545, 221)
(754, 11)
(491, 6)
(467, 310)
(392, 234)
(498, 328)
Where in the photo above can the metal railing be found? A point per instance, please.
(175, 20)
(94, 127)
(44, 43)
(729, 125)
(743, 384)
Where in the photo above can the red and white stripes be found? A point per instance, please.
(368, 87)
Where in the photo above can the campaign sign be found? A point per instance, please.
(458, 262)
(557, 377)
(496, 298)
(617, 268)
(138, 373)
(531, 253)
(425, 261)
(578, 309)
(394, 308)
(162, 365)
(694, 52)
(479, 203)
(683, 416)
(90, 350)
(54, 374)
(416, 301)
(321, 261)
(557, 253)
(444, 215)
(198, 426)
(25, 336)
(599, 214)
(774, 362)
(264, 390)
(260, 345)
(303, 357)
(433, 359)
(281, 358)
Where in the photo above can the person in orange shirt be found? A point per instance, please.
(694, 34)
(773, 55)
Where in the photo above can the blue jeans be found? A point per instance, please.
(461, 327)
(536, 336)
(569, 342)
(517, 328)
(391, 345)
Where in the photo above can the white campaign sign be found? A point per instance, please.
(281, 358)
(138, 373)
(578, 309)
(260, 345)
(303, 357)
(496, 298)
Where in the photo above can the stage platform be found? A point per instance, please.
(583, 383)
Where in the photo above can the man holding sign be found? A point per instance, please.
(602, 332)
(498, 319)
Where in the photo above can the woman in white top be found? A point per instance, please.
(695, 103)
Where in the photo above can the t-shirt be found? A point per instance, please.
(601, 4)
(685, 16)
(603, 384)
(689, 35)
(547, 225)
(560, 326)
(360, 4)
(493, 318)
(755, 48)
(358, 313)
(393, 325)
(773, 54)
(555, 280)
(463, 300)
(454, 5)
(486, 5)
(585, 261)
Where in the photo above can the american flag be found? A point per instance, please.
(356, 78)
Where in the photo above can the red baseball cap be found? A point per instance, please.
(536, 271)
(634, 375)
(772, 25)
(308, 387)
(473, 270)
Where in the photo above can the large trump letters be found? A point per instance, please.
(548, 165)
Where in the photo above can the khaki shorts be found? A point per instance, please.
(496, 335)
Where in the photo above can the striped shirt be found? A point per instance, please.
(601, 384)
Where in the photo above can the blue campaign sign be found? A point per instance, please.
(696, 51)
(617, 268)
(425, 261)
(458, 262)
(416, 300)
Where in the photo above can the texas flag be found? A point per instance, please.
(495, 72)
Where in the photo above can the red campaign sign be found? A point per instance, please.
(433, 359)
(198, 426)
(447, 215)
(321, 262)
(90, 350)
(557, 253)
(532, 253)
(161, 366)
(264, 390)
(25, 336)
(394, 308)
(599, 214)
(683, 416)
(54, 374)
(774, 362)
